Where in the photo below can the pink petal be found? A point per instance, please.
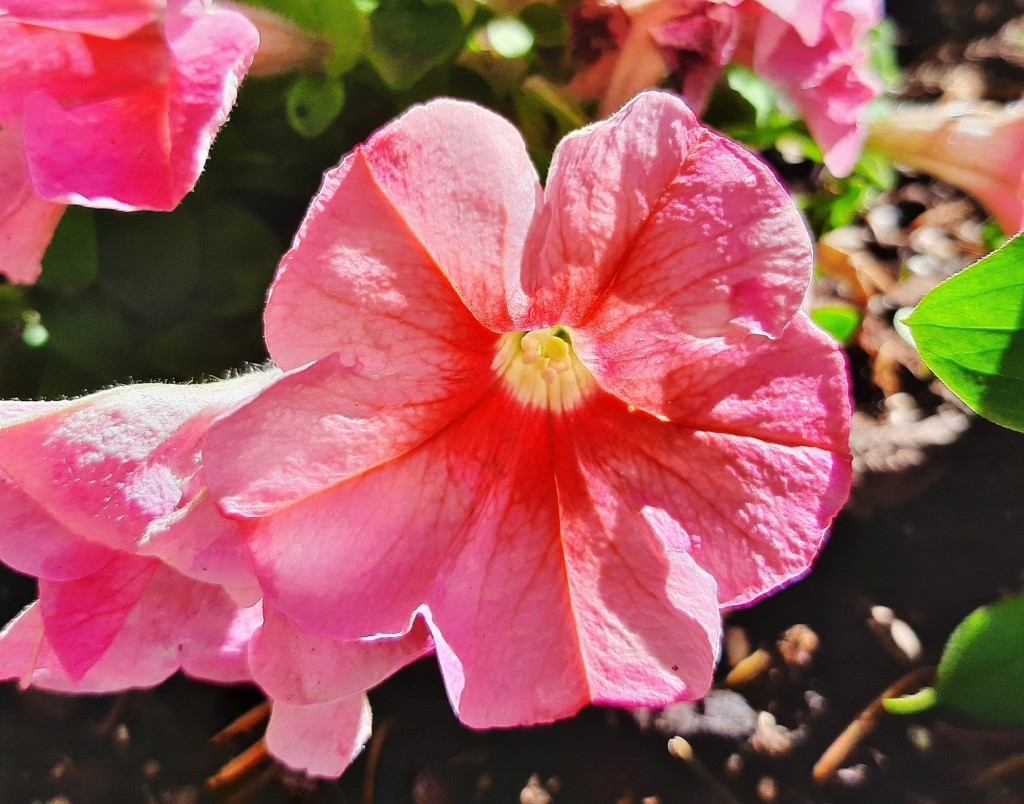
(752, 513)
(27, 222)
(106, 142)
(83, 617)
(298, 667)
(356, 261)
(466, 529)
(133, 624)
(319, 739)
(723, 254)
(113, 18)
(202, 544)
(331, 421)
(451, 166)
(110, 464)
(34, 543)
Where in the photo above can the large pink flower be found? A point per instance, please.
(109, 105)
(812, 49)
(102, 500)
(563, 429)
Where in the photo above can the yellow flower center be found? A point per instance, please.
(542, 369)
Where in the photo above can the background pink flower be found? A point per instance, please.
(811, 49)
(111, 108)
(563, 428)
(977, 147)
(102, 499)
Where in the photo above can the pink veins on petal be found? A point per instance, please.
(563, 427)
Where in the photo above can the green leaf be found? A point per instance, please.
(408, 38)
(920, 701)
(969, 332)
(72, 260)
(313, 103)
(981, 673)
(762, 98)
(839, 321)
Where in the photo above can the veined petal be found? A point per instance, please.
(110, 464)
(34, 543)
(604, 183)
(329, 421)
(358, 281)
(752, 513)
(450, 166)
(683, 235)
(133, 624)
(319, 739)
(724, 256)
(299, 668)
(473, 539)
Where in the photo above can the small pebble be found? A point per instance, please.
(749, 668)
(121, 735)
(734, 764)
(767, 789)
(534, 792)
(737, 645)
(854, 776)
(798, 646)
(920, 737)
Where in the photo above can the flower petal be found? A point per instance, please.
(133, 624)
(319, 739)
(466, 530)
(655, 231)
(450, 166)
(299, 668)
(34, 543)
(113, 19)
(27, 222)
(724, 256)
(357, 261)
(752, 513)
(109, 464)
(107, 142)
(330, 421)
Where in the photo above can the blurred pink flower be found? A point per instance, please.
(812, 49)
(976, 147)
(102, 500)
(562, 428)
(110, 105)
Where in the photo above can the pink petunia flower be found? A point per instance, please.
(102, 500)
(113, 106)
(812, 49)
(562, 428)
(977, 147)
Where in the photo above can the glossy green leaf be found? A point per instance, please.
(981, 674)
(408, 38)
(839, 321)
(314, 102)
(969, 332)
